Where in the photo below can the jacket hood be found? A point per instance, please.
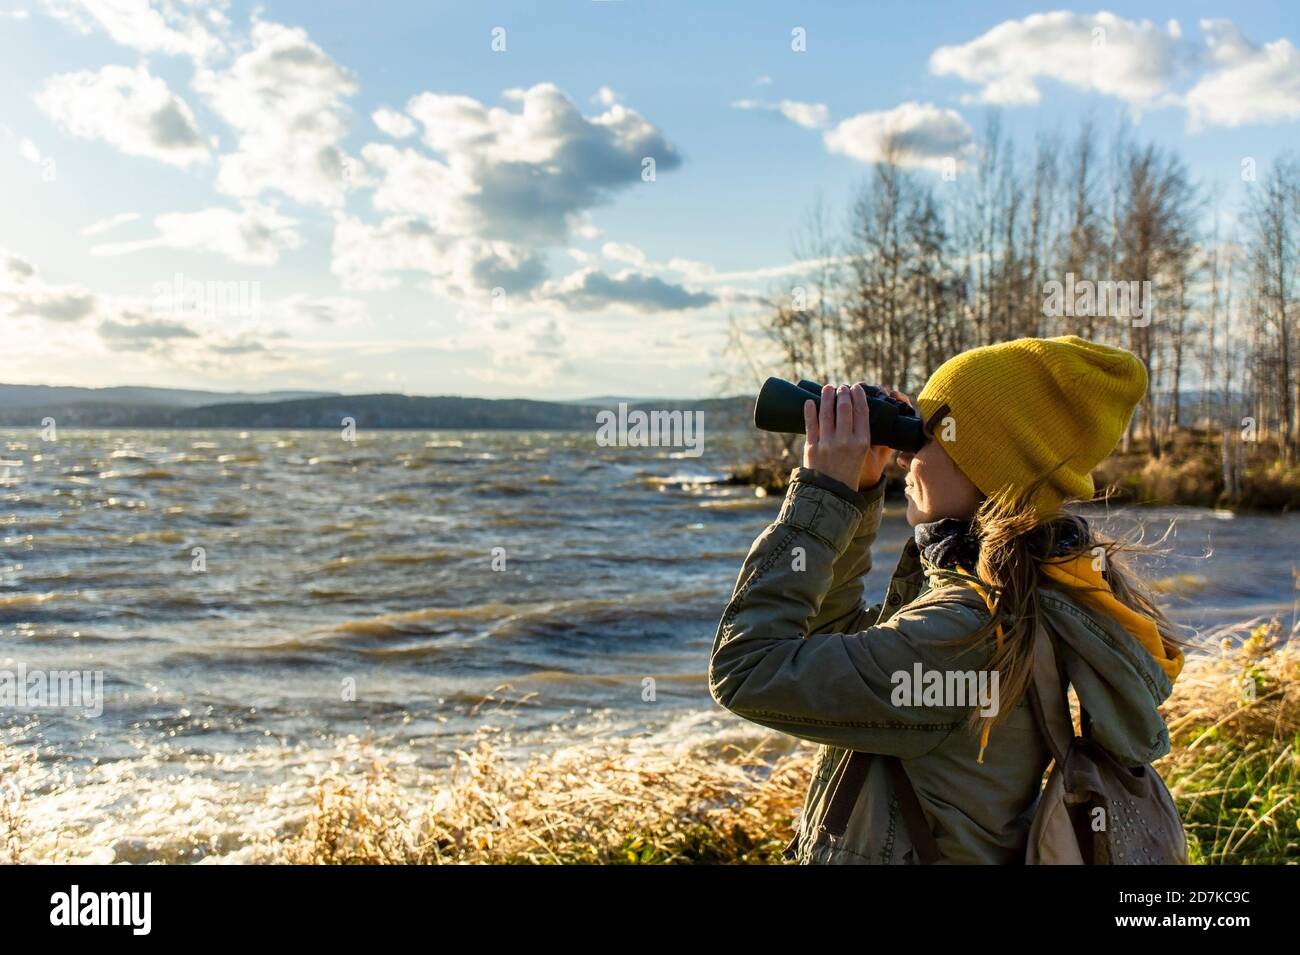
(1120, 666)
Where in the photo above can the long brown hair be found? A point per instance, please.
(1015, 541)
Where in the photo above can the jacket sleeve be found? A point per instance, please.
(842, 607)
(842, 689)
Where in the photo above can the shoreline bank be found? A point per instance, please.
(731, 793)
(1189, 473)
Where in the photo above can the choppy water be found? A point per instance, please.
(350, 596)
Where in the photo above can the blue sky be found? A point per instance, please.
(492, 233)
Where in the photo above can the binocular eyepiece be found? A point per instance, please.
(894, 423)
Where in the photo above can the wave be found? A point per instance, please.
(389, 560)
(738, 504)
(509, 620)
(682, 479)
(15, 601)
(503, 488)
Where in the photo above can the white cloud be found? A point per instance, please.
(1236, 81)
(527, 175)
(917, 134)
(14, 270)
(622, 252)
(372, 257)
(1251, 84)
(128, 109)
(366, 256)
(286, 100)
(112, 222)
(476, 205)
(166, 27)
(412, 183)
(23, 294)
(1133, 60)
(309, 312)
(807, 115)
(142, 334)
(395, 124)
(44, 323)
(531, 354)
(509, 275)
(253, 235)
(589, 290)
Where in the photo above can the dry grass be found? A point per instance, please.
(1189, 472)
(598, 803)
(13, 816)
(1233, 771)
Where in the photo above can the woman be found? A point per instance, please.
(1014, 432)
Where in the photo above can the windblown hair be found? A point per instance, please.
(1015, 542)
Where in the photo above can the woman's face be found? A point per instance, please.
(935, 488)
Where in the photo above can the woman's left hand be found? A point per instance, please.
(879, 455)
(839, 435)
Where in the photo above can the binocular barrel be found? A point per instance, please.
(893, 423)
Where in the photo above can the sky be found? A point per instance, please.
(540, 199)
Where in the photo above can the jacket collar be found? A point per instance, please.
(951, 542)
(948, 543)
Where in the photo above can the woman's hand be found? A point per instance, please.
(839, 435)
(879, 455)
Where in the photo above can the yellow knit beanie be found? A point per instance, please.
(1033, 408)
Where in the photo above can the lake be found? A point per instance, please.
(261, 604)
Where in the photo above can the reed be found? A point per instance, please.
(1234, 768)
(1234, 721)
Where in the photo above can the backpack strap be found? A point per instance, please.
(927, 850)
(1050, 703)
(1047, 696)
(852, 776)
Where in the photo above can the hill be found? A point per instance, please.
(328, 411)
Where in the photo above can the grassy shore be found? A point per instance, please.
(1190, 471)
(1234, 720)
(1234, 770)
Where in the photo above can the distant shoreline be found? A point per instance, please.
(380, 411)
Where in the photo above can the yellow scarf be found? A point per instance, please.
(1083, 581)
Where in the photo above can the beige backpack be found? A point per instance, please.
(1093, 810)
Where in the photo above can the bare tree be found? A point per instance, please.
(925, 271)
(1156, 233)
(1274, 223)
(877, 310)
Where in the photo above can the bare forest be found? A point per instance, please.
(1099, 236)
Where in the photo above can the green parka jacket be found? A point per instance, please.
(796, 650)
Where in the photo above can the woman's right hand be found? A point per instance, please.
(879, 455)
(838, 437)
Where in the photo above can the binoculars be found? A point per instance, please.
(894, 423)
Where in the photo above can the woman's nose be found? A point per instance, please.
(904, 460)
